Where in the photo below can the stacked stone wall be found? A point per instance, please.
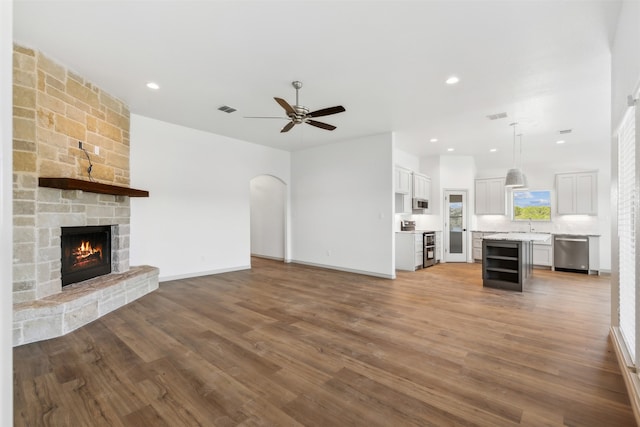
(54, 109)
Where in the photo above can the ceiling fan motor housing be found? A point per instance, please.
(300, 114)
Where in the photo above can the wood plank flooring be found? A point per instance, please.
(291, 345)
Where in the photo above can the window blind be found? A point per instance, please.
(627, 199)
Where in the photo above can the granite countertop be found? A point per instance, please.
(551, 233)
(524, 237)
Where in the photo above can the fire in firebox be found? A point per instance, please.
(85, 255)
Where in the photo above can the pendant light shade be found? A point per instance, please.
(515, 178)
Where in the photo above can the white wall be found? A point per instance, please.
(406, 160)
(342, 205)
(268, 210)
(6, 213)
(196, 220)
(625, 60)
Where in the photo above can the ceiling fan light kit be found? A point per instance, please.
(298, 114)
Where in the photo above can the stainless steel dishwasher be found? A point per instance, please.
(571, 253)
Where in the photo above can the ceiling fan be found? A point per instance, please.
(297, 113)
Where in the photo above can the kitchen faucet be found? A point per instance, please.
(530, 229)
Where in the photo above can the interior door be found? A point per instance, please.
(455, 226)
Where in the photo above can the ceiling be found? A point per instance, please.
(544, 63)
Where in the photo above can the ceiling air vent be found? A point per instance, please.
(227, 109)
(497, 116)
(565, 131)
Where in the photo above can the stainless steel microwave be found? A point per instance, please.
(420, 204)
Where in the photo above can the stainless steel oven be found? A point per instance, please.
(429, 242)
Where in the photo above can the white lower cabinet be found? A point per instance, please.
(594, 255)
(477, 245)
(543, 254)
(409, 251)
(438, 246)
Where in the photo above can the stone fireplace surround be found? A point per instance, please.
(49, 311)
(53, 109)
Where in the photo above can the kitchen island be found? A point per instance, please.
(507, 259)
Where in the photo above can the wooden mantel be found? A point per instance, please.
(92, 187)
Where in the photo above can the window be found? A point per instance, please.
(531, 205)
(627, 175)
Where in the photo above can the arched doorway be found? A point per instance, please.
(268, 217)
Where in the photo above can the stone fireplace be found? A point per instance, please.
(54, 109)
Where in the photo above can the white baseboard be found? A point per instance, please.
(348, 270)
(268, 257)
(628, 371)
(203, 273)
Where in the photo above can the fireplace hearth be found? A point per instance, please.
(86, 253)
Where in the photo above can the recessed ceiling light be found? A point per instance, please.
(152, 85)
(452, 80)
(450, 149)
(433, 140)
(493, 150)
(560, 142)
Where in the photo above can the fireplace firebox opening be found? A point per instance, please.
(86, 253)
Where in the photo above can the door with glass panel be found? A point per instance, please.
(455, 225)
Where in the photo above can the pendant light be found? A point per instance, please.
(525, 182)
(515, 178)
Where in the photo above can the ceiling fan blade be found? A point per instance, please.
(327, 111)
(284, 104)
(320, 125)
(265, 117)
(287, 127)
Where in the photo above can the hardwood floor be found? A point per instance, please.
(290, 345)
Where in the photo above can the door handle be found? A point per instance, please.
(464, 229)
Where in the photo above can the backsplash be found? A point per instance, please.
(565, 224)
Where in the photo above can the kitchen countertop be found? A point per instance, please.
(418, 231)
(523, 237)
(554, 233)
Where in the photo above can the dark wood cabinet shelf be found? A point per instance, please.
(502, 257)
(506, 264)
(502, 270)
(91, 187)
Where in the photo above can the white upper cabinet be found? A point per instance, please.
(577, 193)
(402, 180)
(490, 196)
(422, 190)
(421, 186)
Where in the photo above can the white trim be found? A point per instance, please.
(275, 258)
(203, 273)
(629, 375)
(348, 270)
(6, 212)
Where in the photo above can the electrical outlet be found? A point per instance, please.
(96, 150)
(80, 145)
